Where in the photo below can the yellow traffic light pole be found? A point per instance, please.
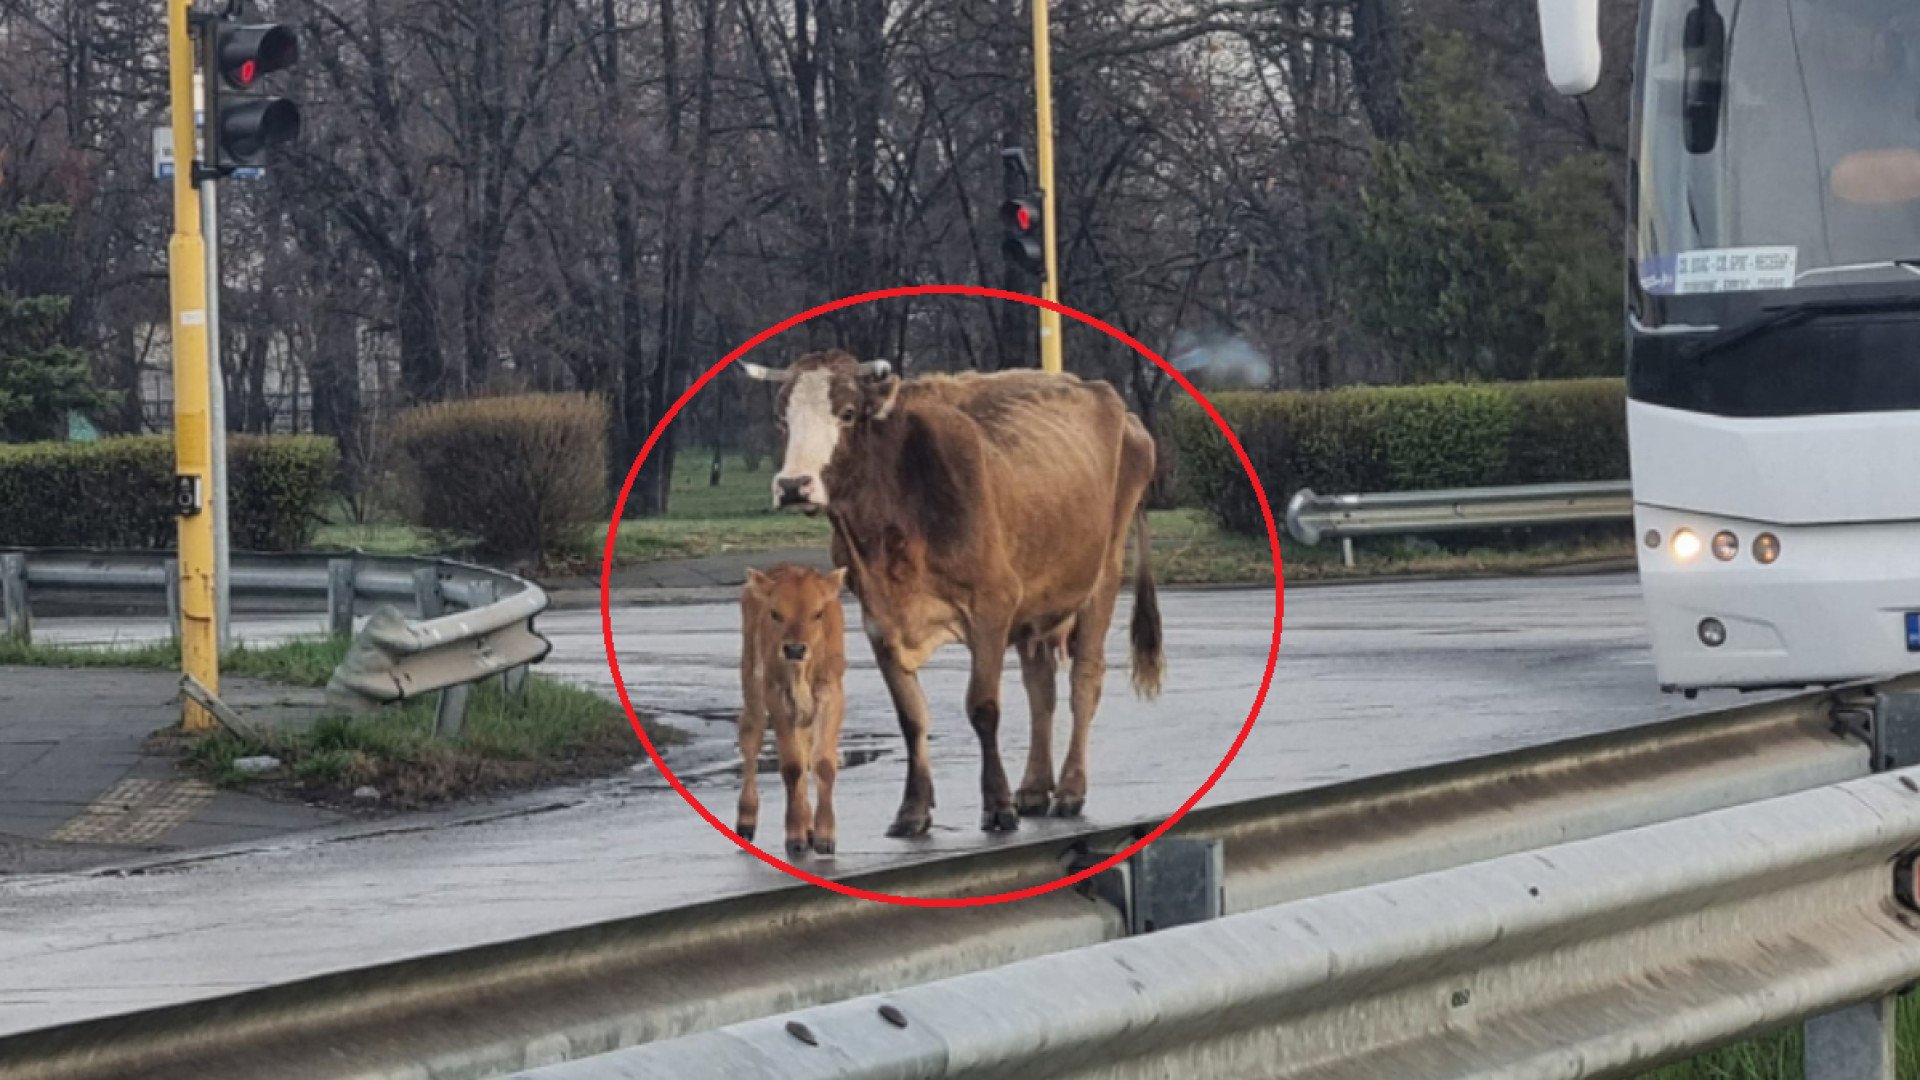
(1043, 136)
(193, 432)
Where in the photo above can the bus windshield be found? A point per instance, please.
(1812, 178)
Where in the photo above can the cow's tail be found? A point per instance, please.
(1149, 652)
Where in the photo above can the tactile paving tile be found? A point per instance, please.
(136, 812)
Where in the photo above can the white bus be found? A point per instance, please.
(1773, 318)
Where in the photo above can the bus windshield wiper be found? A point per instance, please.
(1776, 316)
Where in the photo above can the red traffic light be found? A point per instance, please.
(244, 53)
(1021, 213)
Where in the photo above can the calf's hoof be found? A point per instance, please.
(823, 847)
(1030, 803)
(1066, 806)
(907, 826)
(796, 848)
(745, 831)
(1001, 820)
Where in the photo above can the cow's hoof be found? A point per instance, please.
(1068, 807)
(904, 827)
(1030, 803)
(823, 847)
(746, 832)
(1001, 820)
(796, 848)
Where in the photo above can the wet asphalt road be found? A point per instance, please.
(1372, 679)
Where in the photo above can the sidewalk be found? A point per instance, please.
(82, 781)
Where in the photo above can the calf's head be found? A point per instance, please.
(803, 607)
(823, 398)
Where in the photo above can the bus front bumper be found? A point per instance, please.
(1839, 603)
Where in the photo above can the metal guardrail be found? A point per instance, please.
(1603, 957)
(470, 622)
(484, 1011)
(1312, 518)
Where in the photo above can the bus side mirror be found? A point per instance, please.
(1705, 47)
(1570, 38)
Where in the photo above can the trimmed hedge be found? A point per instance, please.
(118, 493)
(520, 478)
(1369, 439)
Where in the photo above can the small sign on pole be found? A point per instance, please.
(163, 156)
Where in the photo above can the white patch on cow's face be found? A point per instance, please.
(813, 433)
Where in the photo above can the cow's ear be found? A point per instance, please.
(839, 578)
(879, 387)
(758, 582)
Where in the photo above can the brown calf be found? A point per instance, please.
(793, 660)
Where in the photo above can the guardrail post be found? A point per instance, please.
(1855, 1043)
(428, 597)
(1346, 551)
(173, 597)
(450, 715)
(16, 620)
(340, 590)
(514, 680)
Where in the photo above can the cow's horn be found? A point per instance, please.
(763, 374)
(876, 369)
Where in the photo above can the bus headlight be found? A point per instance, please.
(1713, 633)
(1685, 545)
(1725, 546)
(1766, 548)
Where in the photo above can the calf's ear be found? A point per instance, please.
(839, 579)
(758, 582)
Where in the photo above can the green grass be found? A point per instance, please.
(735, 517)
(18, 654)
(548, 731)
(308, 662)
(373, 538)
(704, 519)
(1777, 1056)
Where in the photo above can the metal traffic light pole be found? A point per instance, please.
(217, 383)
(192, 428)
(217, 394)
(232, 56)
(1043, 136)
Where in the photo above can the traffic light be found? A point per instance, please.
(236, 56)
(1022, 216)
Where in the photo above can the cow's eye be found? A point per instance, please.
(775, 614)
(821, 614)
(846, 415)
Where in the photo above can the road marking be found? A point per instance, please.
(136, 812)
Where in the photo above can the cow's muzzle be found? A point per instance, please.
(794, 650)
(795, 491)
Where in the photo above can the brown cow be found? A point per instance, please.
(793, 661)
(986, 509)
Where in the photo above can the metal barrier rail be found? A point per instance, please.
(1312, 518)
(1603, 957)
(471, 622)
(484, 1011)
